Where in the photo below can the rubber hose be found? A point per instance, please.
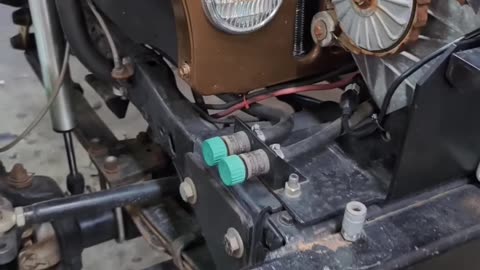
(282, 122)
(327, 134)
(75, 29)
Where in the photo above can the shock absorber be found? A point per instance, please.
(50, 43)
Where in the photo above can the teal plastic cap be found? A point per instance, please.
(232, 170)
(214, 150)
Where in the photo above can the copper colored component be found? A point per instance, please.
(41, 255)
(19, 177)
(366, 4)
(226, 63)
(320, 31)
(419, 21)
(96, 148)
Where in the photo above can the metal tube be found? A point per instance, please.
(96, 202)
(51, 48)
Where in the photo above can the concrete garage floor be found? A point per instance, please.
(43, 153)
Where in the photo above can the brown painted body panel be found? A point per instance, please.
(224, 63)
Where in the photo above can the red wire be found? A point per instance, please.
(282, 92)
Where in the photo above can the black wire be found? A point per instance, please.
(398, 81)
(209, 118)
(343, 70)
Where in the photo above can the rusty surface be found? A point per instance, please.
(333, 243)
(41, 255)
(19, 177)
(225, 63)
(420, 19)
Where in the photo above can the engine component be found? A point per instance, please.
(447, 21)
(235, 169)
(217, 148)
(270, 46)
(241, 16)
(322, 28)
(379, 27)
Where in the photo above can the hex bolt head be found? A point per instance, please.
(188, 191)
(353, 221)
(111, 164)
(233, 243)
(293, 189)
(286, 219)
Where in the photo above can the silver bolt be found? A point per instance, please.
(277, 148)
(258, 131)
(286, 219)
(353, 221)
(293, 189)
(188, 191)
(233, 243)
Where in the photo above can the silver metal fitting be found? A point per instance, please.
(237, 143)
(7, 216)
(322, 28)
(233, 243)
(293, 189)
(258, 131)
(277, 148)
(353, 221)
(353, 86)
(188, 192)
(257, 163)
(20, 216)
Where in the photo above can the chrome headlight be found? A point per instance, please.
(240, 16)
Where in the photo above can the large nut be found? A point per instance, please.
(188, 191)
(233, 243)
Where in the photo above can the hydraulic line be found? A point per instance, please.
(327, 134)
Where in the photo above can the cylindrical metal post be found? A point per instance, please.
(51, 48)
(96, 202)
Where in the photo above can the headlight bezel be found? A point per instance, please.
(222, 24)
